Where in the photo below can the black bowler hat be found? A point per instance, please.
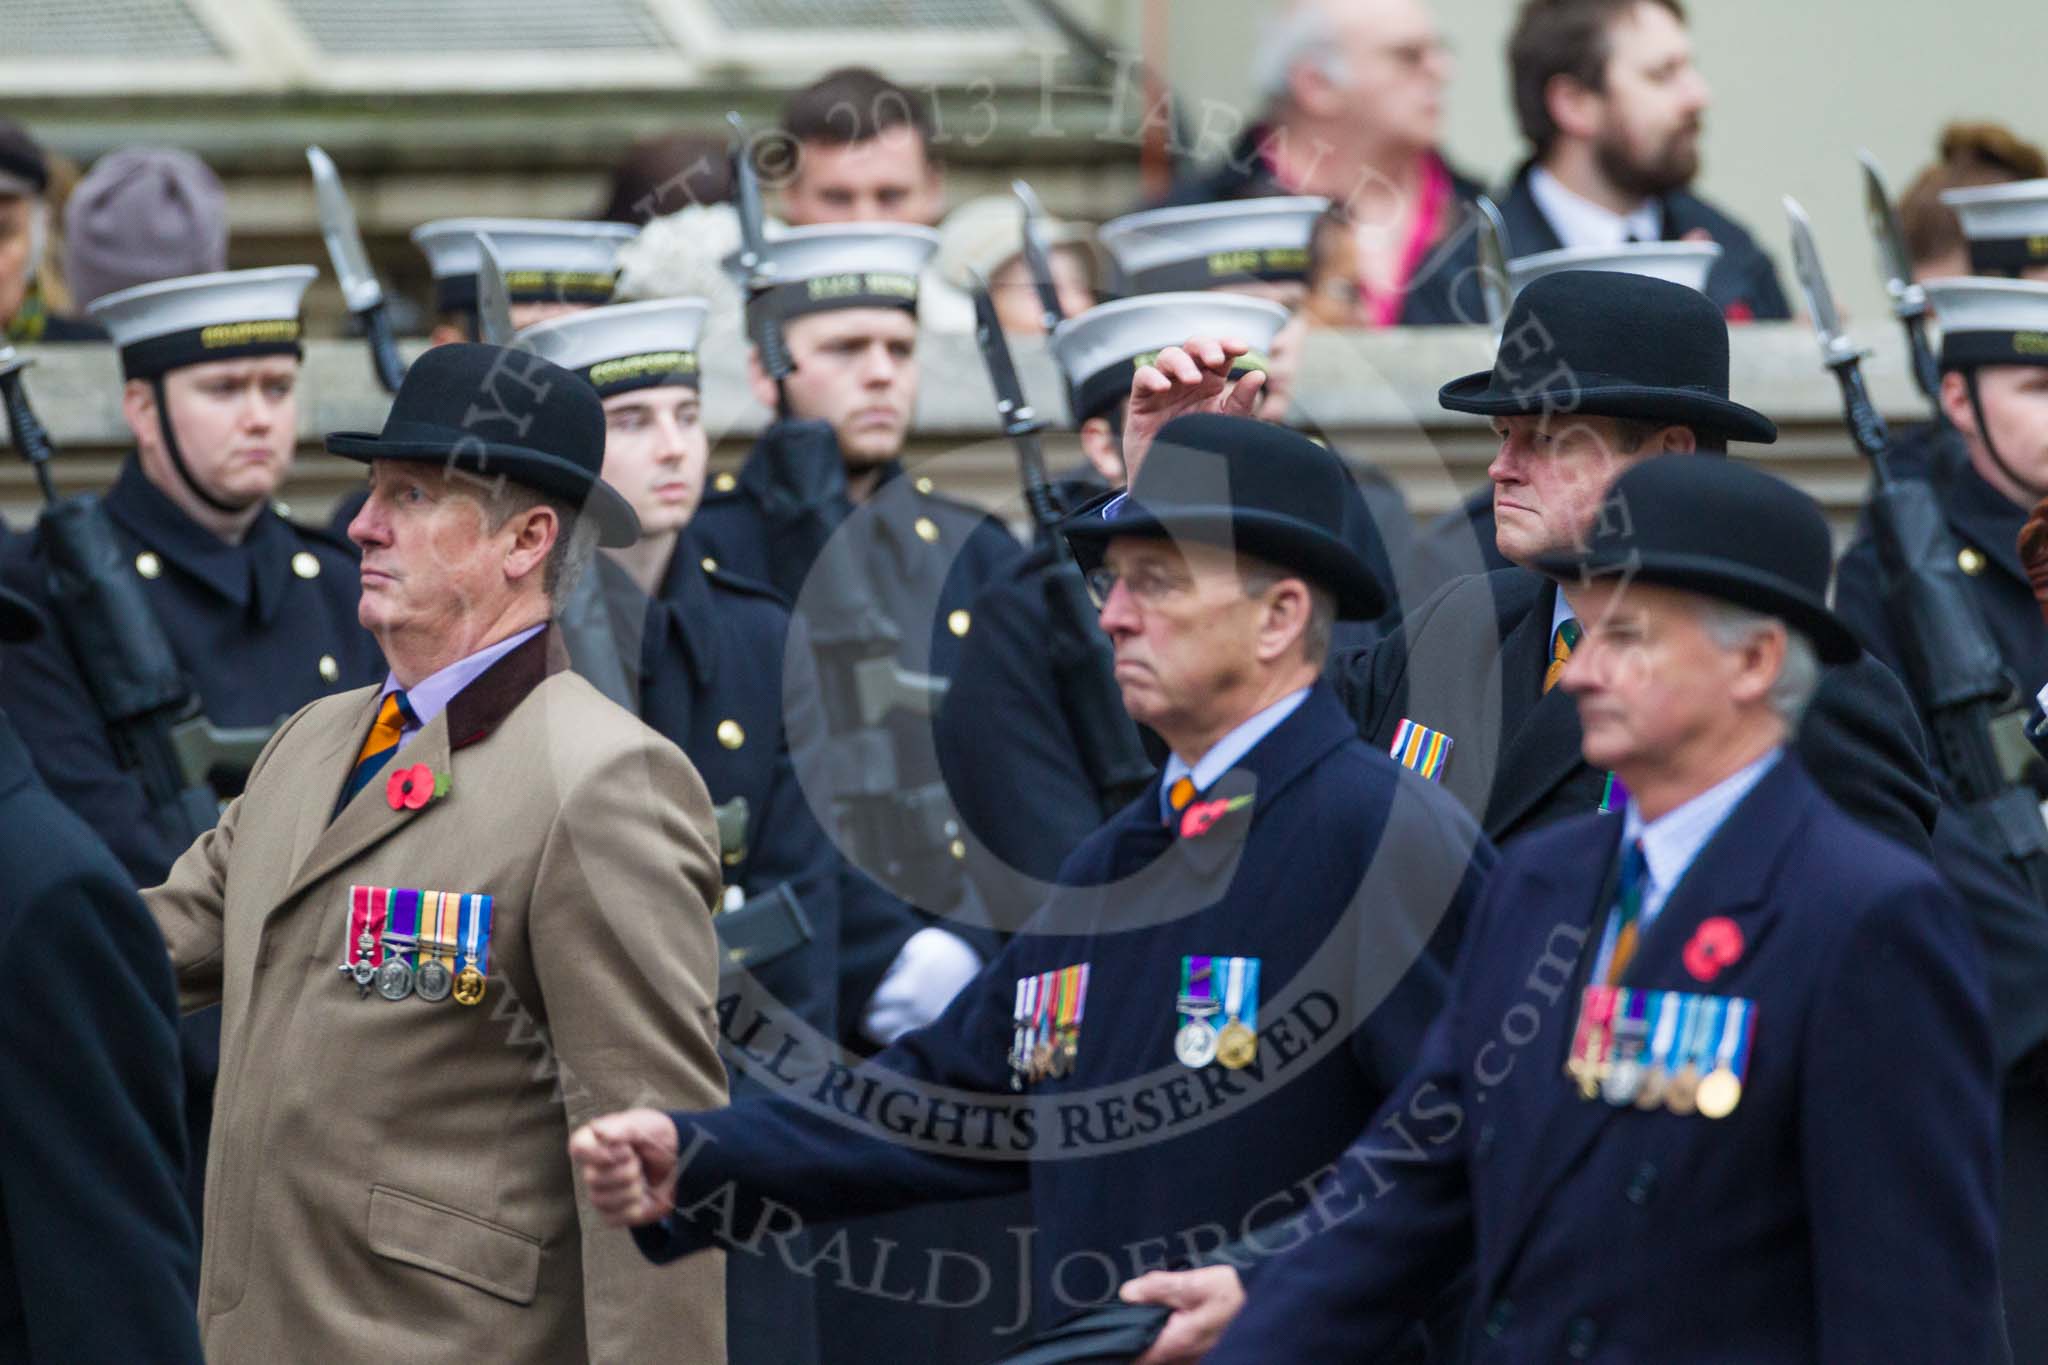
(496, 412)
(1722, 529)
(1251, 486)
(1599, 343)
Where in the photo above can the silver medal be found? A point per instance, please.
(435, 981)
(394, 979)
(1623, 1080)
(1195, 1044)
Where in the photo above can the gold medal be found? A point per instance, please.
(1041, 1061)
(1682, 1095)
(1718, 1094)
(469, 987)
(1651, 1093)
(1236, 1045)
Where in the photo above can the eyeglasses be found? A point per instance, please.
(1148, 584)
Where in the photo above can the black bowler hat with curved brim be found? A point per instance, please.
(1248, 486)
(1601, 343)
(502, 413)
(1721, 529)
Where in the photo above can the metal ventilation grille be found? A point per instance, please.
(380, 28)
(858, 15)
(75, 29)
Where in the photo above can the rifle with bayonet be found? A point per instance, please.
(1083, 665)
(1038, 257)
(1952, 663)
(359, 286)
(756, 269)
(153, 719)
(1495, 291)
(1909, 300)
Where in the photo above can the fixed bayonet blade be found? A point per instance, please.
(493, 299)
(1493, 261)
(1835, 345)
(1016, 414)
(1038, 257)
(359, 286)
(1909, 300)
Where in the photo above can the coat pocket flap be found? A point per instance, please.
(483, 1255)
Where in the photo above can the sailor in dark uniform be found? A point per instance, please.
(258, 610)
(1686, 1041)
(1461, 541)
(1245, 953)
(702, 655)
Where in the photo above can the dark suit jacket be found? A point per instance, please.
(1346, 876)
(1617, 1234)
(1743, 283)
(98, 1256)
(1470, 663)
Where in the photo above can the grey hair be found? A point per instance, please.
(1731, 627)
(1305, 33)
(575, 540)
(1257, 576)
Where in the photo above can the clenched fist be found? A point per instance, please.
(627, 1162)
(2033, 547)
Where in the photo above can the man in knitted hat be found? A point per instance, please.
(1686, 1041)
(452, 916)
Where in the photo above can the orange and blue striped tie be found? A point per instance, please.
(392, 717)
(1561, 646)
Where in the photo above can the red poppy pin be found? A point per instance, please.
(411, 788)
(1201, 817)
(1716, 944)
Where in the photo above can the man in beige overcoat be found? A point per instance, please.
(449, 920)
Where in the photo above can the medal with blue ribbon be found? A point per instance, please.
(476, 950)
(1238, 1041)
(1721, 1090)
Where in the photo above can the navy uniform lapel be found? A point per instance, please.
(1981, 516)
(1732, 876)
(1539, 731)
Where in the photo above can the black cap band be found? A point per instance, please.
(826, 293)
(1277, 265)
(457, 293)
(221, 341)
(2007, 255)
(649, 371)
(1974, 350)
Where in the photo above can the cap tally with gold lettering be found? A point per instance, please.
(837, 265)
(2007, 225)
(544, 260)
(1101, 349)
(194, 319)
(1990, 322)
(1205, 246)
(1686, 263)
(624, 346)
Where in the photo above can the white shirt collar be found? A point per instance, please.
(1225, 752)
(1675, 838)
(1581, 222)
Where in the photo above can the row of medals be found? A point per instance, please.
(397, 978)
(1651, 1086)
(1200, 1042)
(1049, 1057)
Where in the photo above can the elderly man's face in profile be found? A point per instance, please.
(431, 558)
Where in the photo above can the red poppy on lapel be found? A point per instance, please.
(1201, 817)
(411, 788)
(1716, 944)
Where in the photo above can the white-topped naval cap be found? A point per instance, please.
(1686, 263)
(1990, 321)
(541, 244)
(624, 345)
(1097, 349)
(835, 249)
(1202, 245)
(192, 303)
(2006, 225)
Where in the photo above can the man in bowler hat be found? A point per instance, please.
(1159, 1058)
(1662, 1097)
(451, 917)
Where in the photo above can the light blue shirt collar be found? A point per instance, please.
(431, 697)
(1225, 752)
(1560, 612)
(1580, 222)
(1674, 839)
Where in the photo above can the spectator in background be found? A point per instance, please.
(986, 237)
(1612, 105)
(665, 174)
(140, 215)
(863, 153)
(1354, 110)
(25, 314)
(1971, 154)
